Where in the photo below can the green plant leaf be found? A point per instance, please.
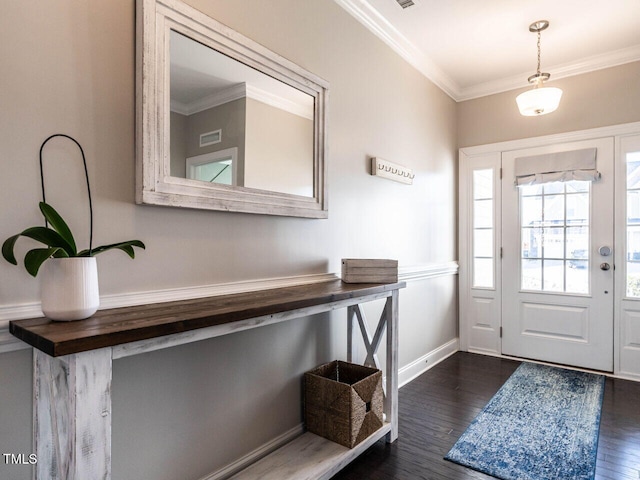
(126, 247)
(36, 257)
(45, 235)
(7, 249)
(59, 225)
(50, 238)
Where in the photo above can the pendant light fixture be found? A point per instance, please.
(540, 100)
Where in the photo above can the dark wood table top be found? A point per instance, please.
(116, 326)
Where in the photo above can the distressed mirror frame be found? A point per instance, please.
(154, 184)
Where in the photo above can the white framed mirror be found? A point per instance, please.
(222, 123)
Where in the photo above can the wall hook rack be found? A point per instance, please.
(392, 171)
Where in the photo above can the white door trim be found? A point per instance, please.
(590, 134)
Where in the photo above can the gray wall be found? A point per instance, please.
(597, 99)
(279, 150)
(229, 117)
(178, 145)
(184, 412)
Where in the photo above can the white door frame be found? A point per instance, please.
(474, 335)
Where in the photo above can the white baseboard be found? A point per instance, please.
(405, 374)
(255, 455)
(418, 367)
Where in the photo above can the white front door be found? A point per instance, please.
(557, 241)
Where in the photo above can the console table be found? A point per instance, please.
(73, 371)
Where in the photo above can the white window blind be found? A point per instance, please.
(557, 167)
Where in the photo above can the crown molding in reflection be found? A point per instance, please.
(242, 90)
(216, 99)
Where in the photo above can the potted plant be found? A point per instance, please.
(69, 277)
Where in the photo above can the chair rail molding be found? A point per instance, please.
(8, 342)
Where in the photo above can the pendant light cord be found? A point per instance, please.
(538, 71)
(86, 176)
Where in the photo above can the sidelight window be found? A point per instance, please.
(633, 224)
(483, 228)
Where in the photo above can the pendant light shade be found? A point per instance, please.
(540, 100)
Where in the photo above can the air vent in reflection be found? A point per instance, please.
(406, 3)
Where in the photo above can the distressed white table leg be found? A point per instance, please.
(72, 415)
(391, 397)
(350, 345)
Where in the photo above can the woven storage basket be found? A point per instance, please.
(343, 402)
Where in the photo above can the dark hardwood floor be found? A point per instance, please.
(438, 406)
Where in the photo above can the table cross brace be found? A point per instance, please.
(371, 343)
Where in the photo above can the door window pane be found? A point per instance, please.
(577, 276)
(482, 272)
(531, 274)
(483, 213)
(553, 242)
(578, 242)
(531, 211)
(531, 242)
(578, 209)
(553, 212)
(483, 184)
(576, 186)
(483, 243)
(527, 190)
(553, 187)
(633, 170)
(553, 278)
(554, 229)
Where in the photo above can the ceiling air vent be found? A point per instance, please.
(406, 3)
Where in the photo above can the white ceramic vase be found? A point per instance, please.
(69, 288)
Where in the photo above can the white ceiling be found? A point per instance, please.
(473, 48)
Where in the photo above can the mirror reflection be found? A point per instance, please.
(233, 125)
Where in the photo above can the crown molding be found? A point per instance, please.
(579, 67)
(362, 11)
(383, 29)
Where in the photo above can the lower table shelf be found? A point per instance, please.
(308, 457)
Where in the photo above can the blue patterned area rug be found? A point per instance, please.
(541, 425)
